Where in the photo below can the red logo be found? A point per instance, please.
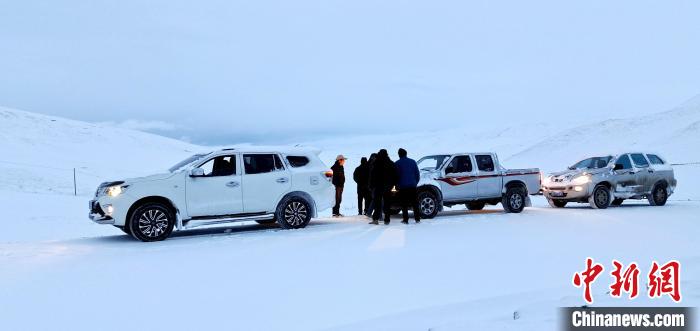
(663, 280)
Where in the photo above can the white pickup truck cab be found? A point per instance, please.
(286, 185)
(473, 179)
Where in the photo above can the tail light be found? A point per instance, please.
(328, 174)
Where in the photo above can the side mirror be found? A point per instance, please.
(571, 168)
(449, 170)
(197, 172)
(617, 166)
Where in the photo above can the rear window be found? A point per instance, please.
(297, 161)
(655, 159)
(639, 160)
(484, 162)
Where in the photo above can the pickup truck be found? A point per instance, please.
(473, 179)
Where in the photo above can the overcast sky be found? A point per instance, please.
(223, 72)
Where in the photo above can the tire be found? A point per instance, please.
(476, 205)
(427, 204)
(124, 229)
(557, 203)
(659, 195)
(601, 197)
(152, 221)
(617, 202)
(293, 213)
(514, 200)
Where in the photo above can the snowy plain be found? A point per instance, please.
(463, 270)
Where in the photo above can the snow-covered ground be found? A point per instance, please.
(460, 271)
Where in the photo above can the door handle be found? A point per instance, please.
(232, 184)
(650, 170)
(282, 180)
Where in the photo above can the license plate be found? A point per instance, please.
(556, 194)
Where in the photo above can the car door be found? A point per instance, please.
(625, 175)
(265, 181)
(489, 182)
(644, 172)
(218, 190)
(458, 181)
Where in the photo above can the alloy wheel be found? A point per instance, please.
(516, 201)
(153, 222)
(427, 205)
(296, 213)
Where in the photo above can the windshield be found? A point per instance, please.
(432, 162)
(592, 163)
(186, 161)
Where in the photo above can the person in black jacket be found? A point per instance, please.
(383, 179)
(339, 182)
(370, 187)
(361, 177)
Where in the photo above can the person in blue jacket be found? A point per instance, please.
(407, 182)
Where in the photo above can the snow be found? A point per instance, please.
(464, 270)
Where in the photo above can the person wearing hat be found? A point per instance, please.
(339, 182)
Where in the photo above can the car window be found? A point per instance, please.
(624, 160)
(432, 162)
(484, 162)
(655, 159)
(639, 160)
(297, 161)
(261, 163)
(278, 163)
(459, 164)
(224, 165)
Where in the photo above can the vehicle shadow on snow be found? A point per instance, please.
(221, 230)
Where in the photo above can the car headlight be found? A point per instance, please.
(115, 190)
(580, 180)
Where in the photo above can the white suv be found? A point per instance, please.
(284, 185)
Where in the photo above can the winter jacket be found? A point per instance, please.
(338, 175)
(361, 176)
(407, 172)
(383, 175)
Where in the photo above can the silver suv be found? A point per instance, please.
(608, 180)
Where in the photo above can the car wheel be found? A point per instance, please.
(514, 200)
(601, 197)
(475, 205)
(427, 204)
(293, 213)
(658, 196)
(124, 229)
(617, 202)
(557, 203)
(152, 221)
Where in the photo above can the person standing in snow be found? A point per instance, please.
(370, 197)
(361, 177)
(339, 182)
(383, 179)
(407, 181)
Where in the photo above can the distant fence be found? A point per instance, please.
(73, 174)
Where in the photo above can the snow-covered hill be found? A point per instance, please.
(39, 152)
(674, 134)
(354, 276)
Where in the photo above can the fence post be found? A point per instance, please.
(75, 187)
